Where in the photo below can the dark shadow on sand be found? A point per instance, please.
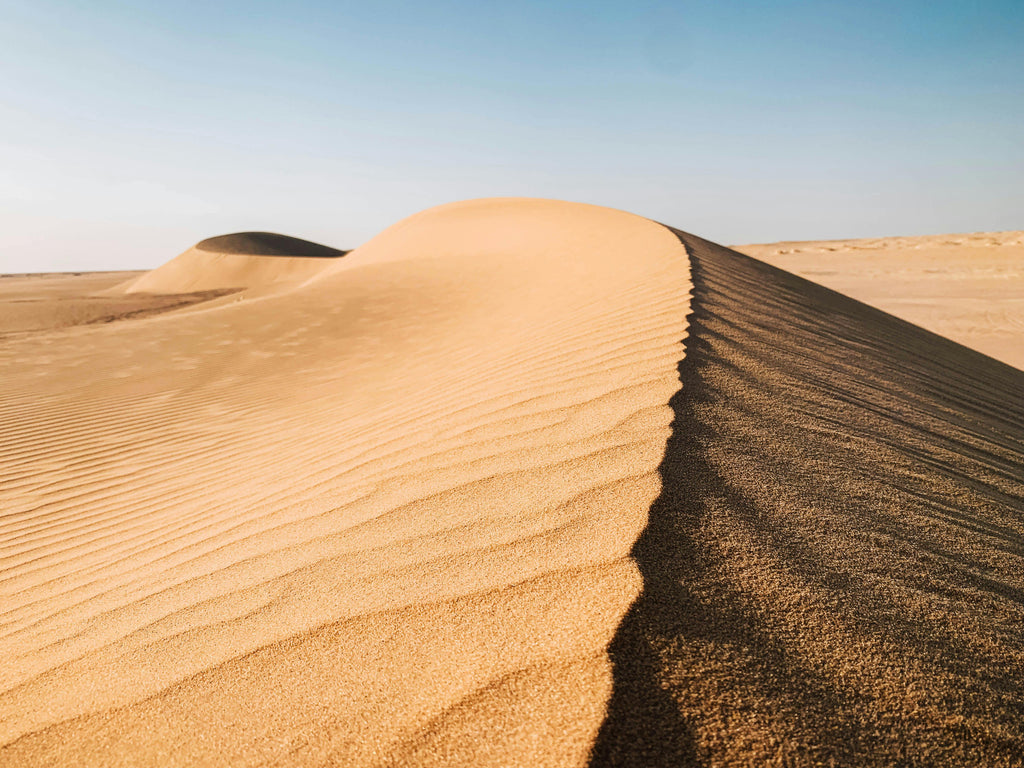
(268, 244)
(874, 431)
(643, 726)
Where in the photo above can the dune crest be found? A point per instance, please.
(834, 569)
(267, 244)
(354, 522)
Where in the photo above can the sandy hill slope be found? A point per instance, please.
(349, 522)
(834, 569)
(517, 482)
(254, 260)
(969, 288)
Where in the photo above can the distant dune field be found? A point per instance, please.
(517, 482)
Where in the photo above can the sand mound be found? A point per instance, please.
(352, 523)
(447, 502)
(252, 260)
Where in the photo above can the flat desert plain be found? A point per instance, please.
(515, 483)
(969, 288)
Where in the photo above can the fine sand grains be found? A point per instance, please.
(460, 498)
(834, 569)
(378, 514)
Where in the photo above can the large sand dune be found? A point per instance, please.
(354, 522)
(834, 569)
(517, 482)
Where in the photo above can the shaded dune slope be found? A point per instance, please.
(267, 244)
(367, 520)
(243, 260)
(834, 569)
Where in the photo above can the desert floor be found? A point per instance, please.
(516, 482)
(969, 288)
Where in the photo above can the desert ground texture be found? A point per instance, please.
(516, 483)
(969, 288)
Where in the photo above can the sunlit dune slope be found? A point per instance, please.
(834, 570)
(380, 514)
(254, 260)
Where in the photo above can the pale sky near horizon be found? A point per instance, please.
(131, 130)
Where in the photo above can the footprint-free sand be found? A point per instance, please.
(969, 288)
(517, 482)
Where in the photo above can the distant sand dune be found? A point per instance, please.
(261, 262)
(267, 244)
(517, 482)
(255, 260)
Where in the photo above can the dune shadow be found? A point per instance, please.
(643, 726)
(268, 244)
(835, 480)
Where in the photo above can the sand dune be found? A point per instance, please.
(834, 569)
(969, 288)
(342, 523)
(517, 482)
(253, 260)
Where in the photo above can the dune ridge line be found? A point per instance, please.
(834, 568)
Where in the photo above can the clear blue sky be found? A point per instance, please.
(130, 129)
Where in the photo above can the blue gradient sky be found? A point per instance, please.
(130, 130)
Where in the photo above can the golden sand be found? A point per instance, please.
(517, 482)
(969, 288)
(348, 521)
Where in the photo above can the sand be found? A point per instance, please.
(969, 288)
(31, 303)
(263, 261)
(517, 482)
(352, 522)
(834, 569)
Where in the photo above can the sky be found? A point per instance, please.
(130, 129)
